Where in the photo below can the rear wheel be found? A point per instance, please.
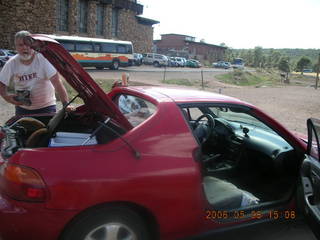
(109, 224)
(115, 65)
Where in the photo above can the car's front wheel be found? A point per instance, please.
(108, 224)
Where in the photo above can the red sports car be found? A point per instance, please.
(150, 163)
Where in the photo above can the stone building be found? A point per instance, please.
(111, 19)
(186, 46)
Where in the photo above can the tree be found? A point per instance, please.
(258, 57)
(275, 58)
(303, 63)
(284, 67)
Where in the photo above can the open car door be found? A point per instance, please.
(310, 177)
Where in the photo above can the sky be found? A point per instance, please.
(239, 23)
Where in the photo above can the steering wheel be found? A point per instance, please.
(204, 130)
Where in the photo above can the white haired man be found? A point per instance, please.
(34, 79)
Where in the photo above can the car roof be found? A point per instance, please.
(183, 95)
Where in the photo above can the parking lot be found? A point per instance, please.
(291, 105)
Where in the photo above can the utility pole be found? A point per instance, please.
(318, 69)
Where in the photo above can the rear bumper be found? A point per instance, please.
(21, 220)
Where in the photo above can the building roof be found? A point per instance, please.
(177, 35)
(191, 41)
(207, 44)
(146, 21)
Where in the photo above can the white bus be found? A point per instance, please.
(97, 52)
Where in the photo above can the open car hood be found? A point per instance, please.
(93, 96)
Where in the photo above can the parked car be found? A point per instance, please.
(173, 62)
(221, 64)
(181, 61)
(155, 59)
(5, 55)
(307, 70)
(137, 59)
(176, 163)
(193, 63)
(237, 63)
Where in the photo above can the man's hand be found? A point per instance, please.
(10, 98)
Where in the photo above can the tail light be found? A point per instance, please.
(22, 183)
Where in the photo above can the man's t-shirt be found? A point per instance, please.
(34, 77)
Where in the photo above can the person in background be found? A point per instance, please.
(34, 80)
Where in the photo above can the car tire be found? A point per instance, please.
(117, 222)
(99, 68)
(156, 64)
(115, 65)
(1, 63)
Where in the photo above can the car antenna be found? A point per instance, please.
(103, 124)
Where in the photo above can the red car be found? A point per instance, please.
(150, 163)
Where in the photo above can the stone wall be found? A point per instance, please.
(130, 30)
(38, 16)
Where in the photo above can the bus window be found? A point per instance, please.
(122, 49)
(68, 46)
(84, 47)
(129, 49)
(97, 47)
(109, 47)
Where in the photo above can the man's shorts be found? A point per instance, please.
(23, 111)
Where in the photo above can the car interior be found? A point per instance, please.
(68, 128)
(244, 162)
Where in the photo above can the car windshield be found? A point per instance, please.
(234, 115)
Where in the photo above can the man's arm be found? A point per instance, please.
(60, 89)
(8, 97)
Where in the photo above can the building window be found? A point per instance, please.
(83, 16)
(115, 22)
(100, 20)
(62, 16)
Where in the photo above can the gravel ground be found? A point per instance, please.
(290, 105)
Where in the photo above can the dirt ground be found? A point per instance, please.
(291, 104)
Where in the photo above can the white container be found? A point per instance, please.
(63, 139)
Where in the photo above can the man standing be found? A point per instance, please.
(34, 79)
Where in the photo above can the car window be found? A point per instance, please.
(235, 115)
(135, 109)
(194, 113)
